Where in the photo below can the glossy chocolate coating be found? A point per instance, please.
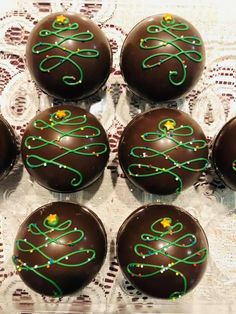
(65, 154)
(162, 250)
(173, 166)
(177, 48)
(58, 56)
(8, 148)
(224, 154)
(47, 257)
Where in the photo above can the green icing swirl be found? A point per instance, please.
(156, 59)
(24, 246)
(78, 130)
(188, 240)
(147, 153)
(53, 61)
(234, 165)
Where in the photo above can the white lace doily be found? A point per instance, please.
(211, 103)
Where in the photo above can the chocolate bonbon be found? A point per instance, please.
(65, 148)
(162, 57)
(8, 148)
(163, 151)
(162, 250)
(59, 248)
(224, 154)
(68, 56)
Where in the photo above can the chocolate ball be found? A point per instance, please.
(163, 151)
(8, 148)
(162, 57)
(162, 250)
(224, 154)
(65, 148)
(68, 56)
(59, 248)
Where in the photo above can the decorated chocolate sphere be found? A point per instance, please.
(224, 154)
(59, 248)
(162, 57)
(162, 250)
(68, 56)
(8, 148)
(65, 148)
(163, 151)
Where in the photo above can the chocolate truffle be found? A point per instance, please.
(8, 148)
(59, 248)
(65, 148)
(163, 151)
(162, 57)
(162, 250)
(68, 56)
(224, 154)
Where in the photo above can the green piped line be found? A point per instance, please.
(156, 59)
(48, 64)
(80, 130)
(23, 245)
(145, 270)
(142, 152)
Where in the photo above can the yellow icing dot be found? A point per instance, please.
(167, 17)
(169, 125)
(166, 222)
(61, 19)
(52, 218)
(60, 114)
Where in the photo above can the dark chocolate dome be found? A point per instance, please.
(8, 148)
(163, 151)
(59, 248)
(68, 56)
(162, 250)
(162, 57)
(224, 154)
(65, 148)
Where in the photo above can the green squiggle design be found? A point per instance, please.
(154, 60)
(142, 152)
(51, 62)
(27, 247)
(188, 240)
(80, 130)
(234, 165)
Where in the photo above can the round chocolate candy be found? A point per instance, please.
(8, 148)
(162, 57)
(162, 250)
(65, 148)
(224, 154)
(163, 151)
(59, 248)
(68, 56)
